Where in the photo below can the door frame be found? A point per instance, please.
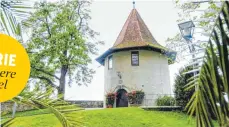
(115, 104)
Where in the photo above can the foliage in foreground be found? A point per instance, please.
(213, 82)
(12, 14)
(62, 110)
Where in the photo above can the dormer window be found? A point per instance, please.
(110, 66)
(135, 58)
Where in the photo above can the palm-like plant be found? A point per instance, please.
(12, 14)
(64, 111)
(212, 85)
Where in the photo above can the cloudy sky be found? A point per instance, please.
(108, 17)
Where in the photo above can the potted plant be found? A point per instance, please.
(136, 97)
(110, 98)
(139, 96)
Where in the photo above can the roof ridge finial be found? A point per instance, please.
(133, 4)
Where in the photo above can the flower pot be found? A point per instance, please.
(109, 106)
(136, 97)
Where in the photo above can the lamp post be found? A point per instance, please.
(187, 30)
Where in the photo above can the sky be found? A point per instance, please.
(108, 18)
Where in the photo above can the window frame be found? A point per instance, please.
(108, 62)
(134, 52)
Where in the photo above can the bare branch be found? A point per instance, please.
(80, 17)
(47, 26)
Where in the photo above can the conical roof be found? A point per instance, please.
(134, 33)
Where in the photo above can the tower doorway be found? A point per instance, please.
(122, 99)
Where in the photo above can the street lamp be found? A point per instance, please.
(187, 29)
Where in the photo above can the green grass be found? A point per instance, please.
(4, 120)
(135, 117)
(45, 120)
(27, 113)
(119, 117)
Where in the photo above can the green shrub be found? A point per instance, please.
(182, 95)
(165, 101)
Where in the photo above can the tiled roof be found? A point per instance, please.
(135, 33)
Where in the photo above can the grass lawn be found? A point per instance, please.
(27, 113)
(46, 120)
(119, 117)
(135, 117)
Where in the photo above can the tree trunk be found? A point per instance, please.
(62, 82)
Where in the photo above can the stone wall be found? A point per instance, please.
(8, 107)
(88, 104)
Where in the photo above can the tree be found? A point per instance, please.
(12, 16)
(212, 84)
(182, 96)
(59, 47)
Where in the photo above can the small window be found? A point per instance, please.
(110, 62)
(135, 58)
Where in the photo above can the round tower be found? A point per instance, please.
(136, 61)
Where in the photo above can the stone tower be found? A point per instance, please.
(137, 61)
